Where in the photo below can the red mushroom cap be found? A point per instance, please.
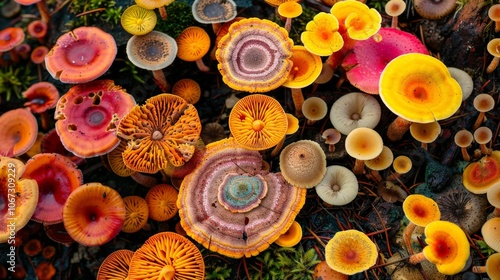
(51, 143)
(38, 54)
(41, 97)
(10, 37)
(38, 29)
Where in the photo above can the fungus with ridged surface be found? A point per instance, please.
(303, 163)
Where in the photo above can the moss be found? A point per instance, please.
(179, 17)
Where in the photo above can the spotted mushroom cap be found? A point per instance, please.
(152, 51)
(18, 132)
(231, 206)
(213, 11)
(88, 115)
(338, 187)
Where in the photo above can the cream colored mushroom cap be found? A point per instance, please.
(364, 143)
(353, 110)
(338, 187)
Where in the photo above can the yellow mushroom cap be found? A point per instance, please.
(360, 21)
(493, 264)
(425, 132)
(479, 176)
(321, 36)
(493, 47)
(382, 161)
(306, 67)
(402, 164)
(291, 237)
(137, 20)
(350, 252)
(448, 247)
(363, 143)
(293, 124)
(419, 88)
(290, 9)
(421, 210)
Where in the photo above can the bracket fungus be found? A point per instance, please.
(81, 55)
(25, 200)
(164, 129)
(255, 55)
(338, 187)
(18, 132)
(232, 206)
(214, 12)
(88, 115)
(418, 88)
(480, 175)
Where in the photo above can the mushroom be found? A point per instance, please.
(353, 110)
(402, 164)
(363, 143)
(153, 51)
(136, 213)
(322, 36)
(115, 160)
(463, 138)
(255, 55)
(115, 265)
(482, 103)
(394, 8)
(10, 8)
(338, 187)
(258, 122)
(11, 37)
(418, 88)
(188, 89)
(420, 211)
(81, 55)
(167, 255)
(391, 192)
(162, 130)
(483, 136)
(425, 133)
(324, 272)
(430, 9)
(479, 176)
(314, 109)
(350, 252)
(464, 80)
(93, 214)
(493, 195)
(491, 268)
(193, 43)
(289, 10)
(18, 131)
(493, 48)
(161, 201)
(332, 137)
(23, 50)
(223, 30)
(137, 20)
(230, 205)
(41, 5)
(380, 162)
(59, 234)
(41, 97)
(494, 15)
(57, 177)
(291, 237)
(87, 117)
(212, 132)
(293, 126)
(303, 163)
(490, 234)
(51, 143)
(38, 30)
(214, 12)
(45, 270)
(26, 191)
(153, 4)
(33, 247)
(177, 173)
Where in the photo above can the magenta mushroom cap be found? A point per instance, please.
(368, 59)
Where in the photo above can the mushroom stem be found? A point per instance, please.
(480, 119)
(298, 100)
(407, 236)
(44, 10)
(161, 80)
(496, 212)
(465, 154)
(359, 167)
(45, 120)
(484, 149)
(278, 147)
(417, 258)
(397, 128)
(394, 22)
(201, 65)
(423, 145)
(493, 65)
(288, 24)
(163, 12)
(479, 269)
(216, 27)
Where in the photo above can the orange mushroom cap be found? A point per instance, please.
(402, 164)
(306, 67)
(10, 37)
(18, 131)
(290, 9)
(165, 128)
(493, 264)
(161, 201)
(115, 160)
(364, 143)
(258, 122)
(93, 214)
(382, 161)
(291, 237)
(419, 88)
(395, 8)
(45, 270)
(115, 265)
(81, 55)
(463, 138)
(188, 89)
(88, 115)
(479, 176)
(153, 4)
(192, 43)
(321, 36)
(38, 29)
(38, 54)
(136, 213)
(483, 102)
(425, 132)
(421, 210)
(41, 97)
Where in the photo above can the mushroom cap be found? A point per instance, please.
(164, 129)
(447, 247)
(57, 177)
(368, 58)
(161, 201)
(314, 108)
(212, 132)
(136, 213)
(81, 55)
(58, 233)
(364, 143)
(168, 254)
(326, 74)
(11, 37)
(38, 54)
(290, 9)
(153, 4)
(41, 97)
(137, 20)
(293, 124)
(430, 9)
(395, 8)
(338, 187)
(484, 102)
(255, 55)
(115, 160)
(490, 233)
(493, 47)
(494, 12)
(321, 36)
(306, 67)
(188, 89)
(192, 43)
(402, 164)
(303, 163)
(353, 110)
(391, 192)
(18, 131)
(480, 175)
(483, 135)
(93, 214)
(222, 206)
(350, 252)
(179, 172)
(291, 237)
(213, 11)
(37, 29)
(51, 143)
(463, 138)
(419, 88)
(360, 21)
(26, 191)
(421, 210)
(325, 272)
(88, 115)
(153, 51)
(493, 195)
(45, 270)
(276, 3)
(464, 80)
(493, 263)
(425, 132)
(331, 136)
(258, 122)
(115, 265)
(382, 161)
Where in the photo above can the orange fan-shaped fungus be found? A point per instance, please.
(24, 192)
(81, 55)
(167, 255)
(115, 265)
(322, 36)
(136, 213)
(258, 122)
(161, 202)
(255, 55)
(165, 128)
(87, 117)
(18, 132)
(93, 214)
(479, 176)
